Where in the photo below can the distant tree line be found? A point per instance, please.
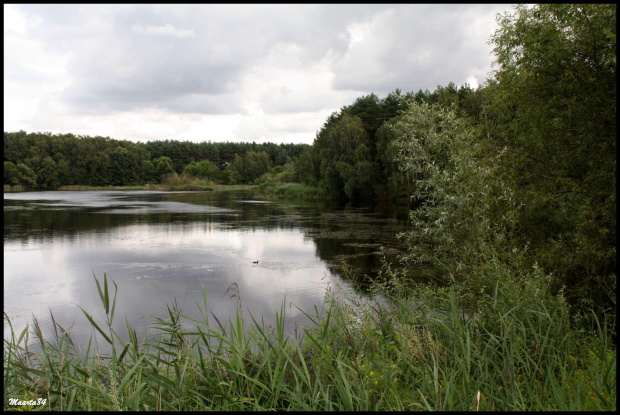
(48, 161)
(352, 154)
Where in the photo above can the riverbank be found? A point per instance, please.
(420, 351)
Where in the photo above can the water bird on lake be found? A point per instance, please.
(255, 262)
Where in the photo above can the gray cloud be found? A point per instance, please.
(417, 47)
(128, 56)
(223, 59)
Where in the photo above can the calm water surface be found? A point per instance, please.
(162, 247)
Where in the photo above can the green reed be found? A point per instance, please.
(294, 190)
(186, 182)
(425, 349)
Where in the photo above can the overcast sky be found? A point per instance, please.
(227, 72)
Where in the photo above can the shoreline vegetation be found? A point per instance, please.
(294, 190)
(425, 349)
(279, 189)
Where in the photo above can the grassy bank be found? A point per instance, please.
(421, 351)
(293, 190)
(225, 187)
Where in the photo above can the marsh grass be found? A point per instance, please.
(14, 188)
(424, 349)
(294, 190)
(224, 187)
(184, 182)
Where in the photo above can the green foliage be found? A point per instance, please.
(345, 159)
(293, 190)
(162, 167)
(26, 176)
(462, 218)
(528, 178)
(284, 173)
(230, 176)
(307, 167)
(48, 174)
(417, 351)
(203, 169)
(494, 350)
(353, 153)
(251, 165)
(11, 173)
(513, 186)
(221, 154)
(66, 160)
(184, 182)
(553, 106)
(398, 183)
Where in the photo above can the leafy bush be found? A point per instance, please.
(463, 217)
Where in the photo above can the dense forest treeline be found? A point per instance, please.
(352, 155)
(520, 171)
(48, 161)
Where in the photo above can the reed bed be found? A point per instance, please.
(223, 187)
(186, 182)
(14, 188)
(422, 349)
(294, 190)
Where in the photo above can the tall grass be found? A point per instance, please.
(223, 187)
(184, 181)
(14, 188)
(294, 190)
(425, 349)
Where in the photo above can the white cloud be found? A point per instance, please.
(14, 21)
(166, 30)
(34, 76)
(416, 47)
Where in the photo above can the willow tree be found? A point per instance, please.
(462, 220)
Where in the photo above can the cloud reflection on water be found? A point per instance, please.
(156, 264)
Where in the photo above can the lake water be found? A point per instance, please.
(162, 247)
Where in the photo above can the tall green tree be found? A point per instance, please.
(553, 107)
(307, 167)
(230, 176)
(251, 165)
(162, 167)
(11, 173)
(48, 174)
(26, 176)
(203, 169)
